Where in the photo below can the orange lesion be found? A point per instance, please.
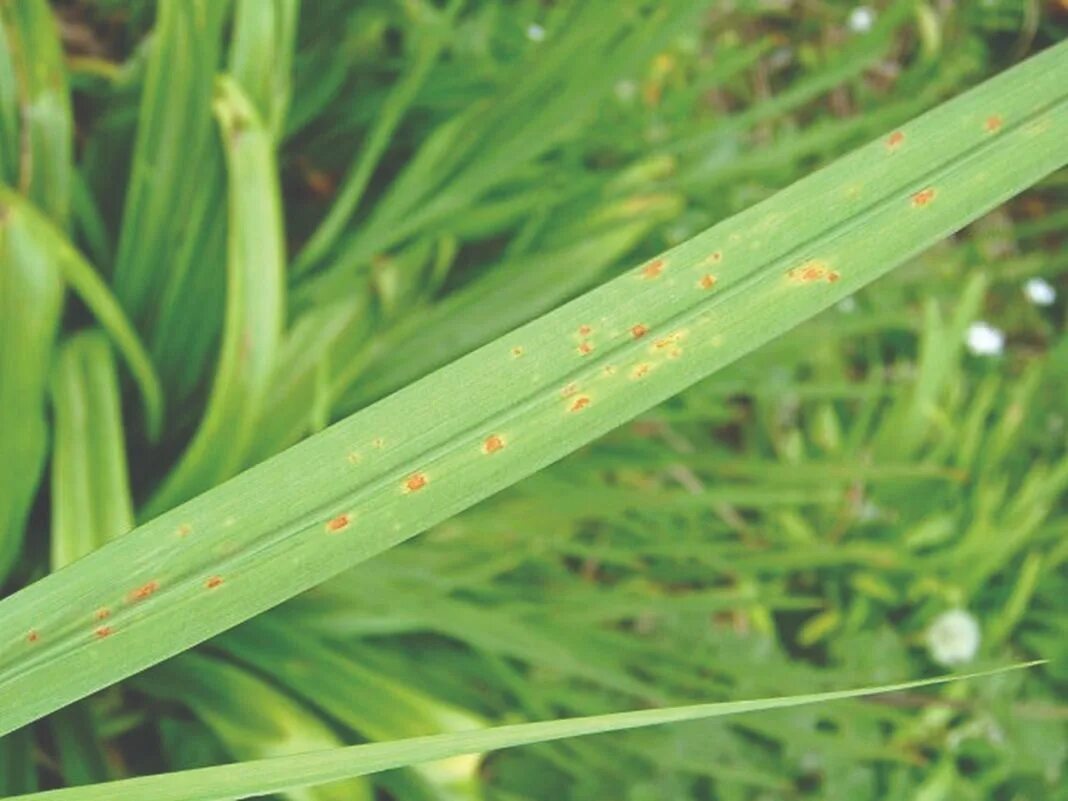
(641, 370)
(184, 530)
(144, 591)
(993, 123)
(813, 270)
(585, 348)
(580, 403)
(638, 331)
(492, 444)
(339, 523)
(213, 582)
(653, 268)
(102, 614)
(668, 341)
(923, 197)
(103, 631)
(895, 140)
(33, 636)
(584, 330)
(415, 482)
(706, 281)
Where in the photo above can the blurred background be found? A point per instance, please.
(879, 495)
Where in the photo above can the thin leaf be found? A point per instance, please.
(527, 399)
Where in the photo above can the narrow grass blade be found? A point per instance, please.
(254, 306)
(174, 131)
(57, 250)
(527, 399)
(90, 486)
(268, 776)
(31, 299)
(31, 50)
(261, 56)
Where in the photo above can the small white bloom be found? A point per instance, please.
(1040, 292)
(953, 638)
(985, 340)
(861, 19)
(535, 32)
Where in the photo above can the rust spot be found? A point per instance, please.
(894, 141)
(707, 281)
(638, 331)
(378, 443)
(144, 591)
(653, 268)
(668, 341)
(993, 123)
(585, 348)
(33, 636)
(184, 530)
(415, 482)
(641, 371)
(102, 614)
(715, 258)
(580, 403)
(811, 271)
(923, 197)
(103, 631)
(492, 444)
(585, 330)
(568, 391)
(517, 352)
(213, 582)
(339, 523)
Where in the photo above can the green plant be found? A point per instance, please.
(623, 348)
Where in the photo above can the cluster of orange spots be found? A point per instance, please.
(653, 268)
(706, 281)
(102, 614)
(415, 482)
(144, 591)
(923, 197)
(894, 141)
(492, 444)
(184, 530)
(339, 523)
(993, 123)
(585, 348)
(580, 403)
(638, 331)
(584, 330)
(213, 582)
(33, 636)
(103, 631)
(813, 271)
(668, 341)
(641, 371)
(517, 351)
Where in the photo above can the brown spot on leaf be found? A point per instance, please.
(102, 614)
(993, 123)
(517, 352)
(638, 331)
(213, 582)
(144, 591)
(923, 197)
(339, 523)
(492, 444)
(653, 268)
(585, 348)
(415, 482)
(103, 631)
(33, 636)
(707, 281)
(580, 403)
(895, 140)
(184, 530)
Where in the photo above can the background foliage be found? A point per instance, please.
(440, 174)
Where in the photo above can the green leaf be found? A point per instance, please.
(525, 400)
(255, 302)
(285, 773)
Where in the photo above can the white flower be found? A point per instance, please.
(985, 340)
(535, 32)
(861, 19)
(1040, 292)
(953, 638)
